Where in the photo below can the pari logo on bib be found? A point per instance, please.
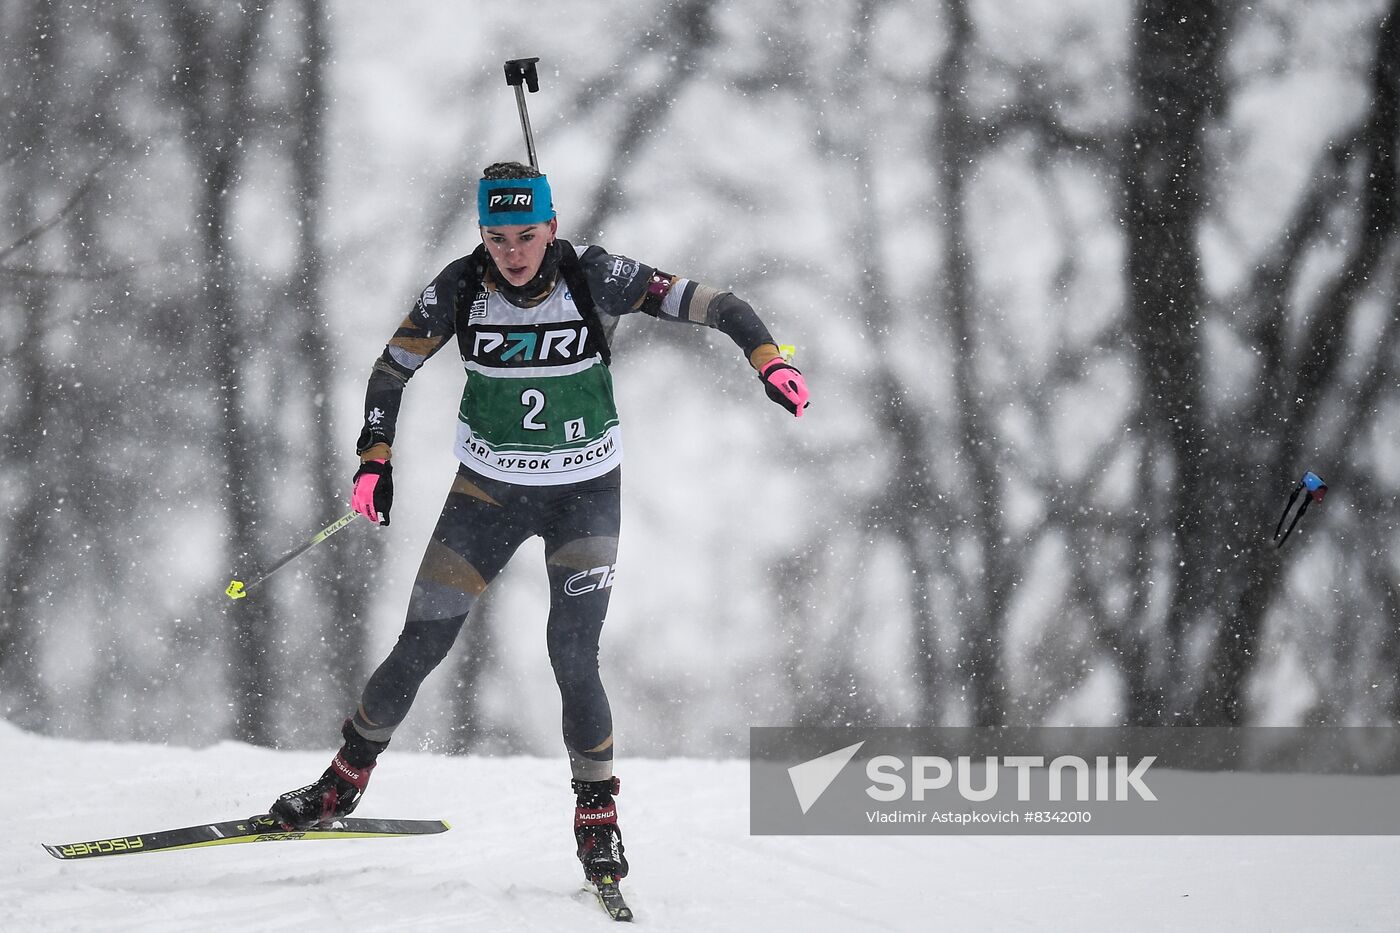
(504, 202)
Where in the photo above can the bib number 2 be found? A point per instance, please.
(534, 401)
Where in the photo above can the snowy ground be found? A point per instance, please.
(507, 863)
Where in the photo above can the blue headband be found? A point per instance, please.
(502, 202)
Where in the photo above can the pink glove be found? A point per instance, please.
(374, 490)
(784, 384)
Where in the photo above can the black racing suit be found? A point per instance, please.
(487, 517)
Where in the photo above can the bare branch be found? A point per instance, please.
(60, 215)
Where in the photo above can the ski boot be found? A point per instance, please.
(337, 791)
(595, 827)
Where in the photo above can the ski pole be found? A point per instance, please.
(1315, 488)
(520, 72)
(237, 589)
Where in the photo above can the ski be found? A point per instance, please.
(261, 828)
(610, 897)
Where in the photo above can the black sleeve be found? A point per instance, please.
(425, 330)
(382, 397)
(618, 285)
(735, 319)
